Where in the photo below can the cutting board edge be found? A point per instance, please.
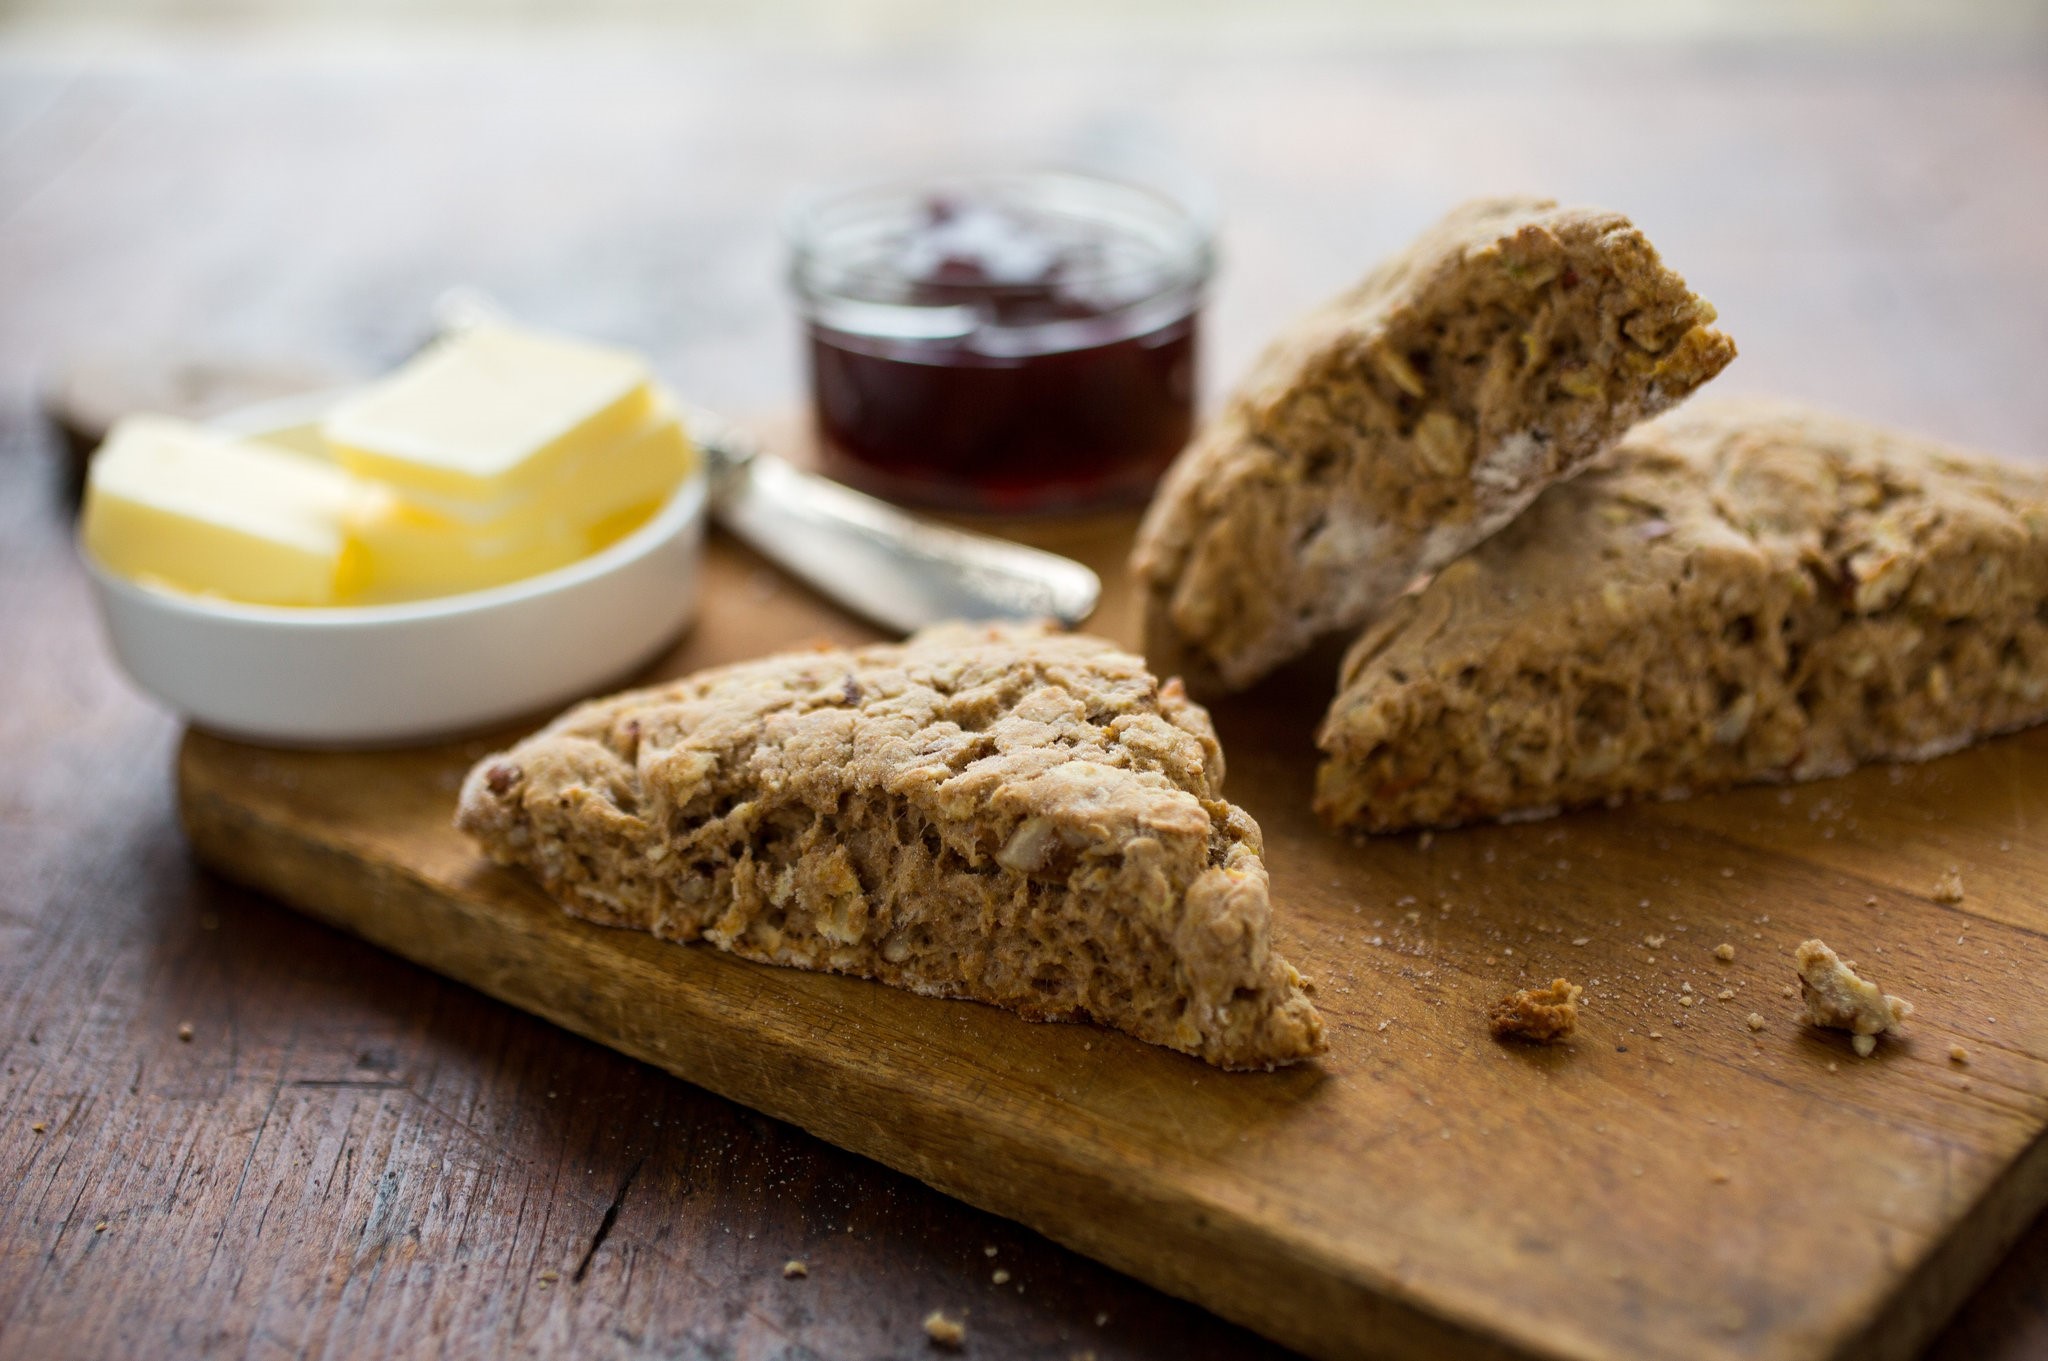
(1935, 1288)
(330, 880)
(1355, 1318)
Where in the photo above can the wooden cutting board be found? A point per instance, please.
(1672, 1184)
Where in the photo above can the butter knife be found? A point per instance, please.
(891, 568)
(884, 564)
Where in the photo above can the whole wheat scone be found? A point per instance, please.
(1743, 590)
(1402, 423)
(1007, 814)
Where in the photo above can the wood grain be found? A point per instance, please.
(1673, 1184)
(355, 1156)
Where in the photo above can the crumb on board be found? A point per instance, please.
(1837, 999)
(1725, 995)
(38, 1127)
(1718, 1175)
(943, 1331)
(1000, 1276)
(1654, 942)
(1949, 888)
(185, 1031)
(550, 1276)
(1956, 1054)
(100, 1227)
(793, 1269)
(1756, 1021)
(1725, 952)
(1538, 1015)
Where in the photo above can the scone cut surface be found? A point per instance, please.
(1401, 424)
(1743, 590)
(1006, 814)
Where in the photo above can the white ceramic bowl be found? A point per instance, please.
(383, 675)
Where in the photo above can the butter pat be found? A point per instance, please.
(644, 466)
(427, 546)
(174, 503)
(490, 413)
(413, 554)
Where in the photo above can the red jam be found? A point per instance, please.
(1011, 344)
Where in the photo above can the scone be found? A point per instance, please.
(1404, 422)
(1740, 591)
(1006, 814)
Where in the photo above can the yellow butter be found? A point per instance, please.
(646, 465)
(413, 547)
(172, 502)
(411, 554)
(491, 412)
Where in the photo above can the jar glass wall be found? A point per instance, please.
(1009, 343)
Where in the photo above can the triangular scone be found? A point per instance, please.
(1401, 424)
(1006, 814)
(1739, 591)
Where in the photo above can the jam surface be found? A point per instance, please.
(1010, 362)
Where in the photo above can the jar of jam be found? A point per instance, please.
(1009, 343)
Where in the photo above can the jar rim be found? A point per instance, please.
(1181, 243)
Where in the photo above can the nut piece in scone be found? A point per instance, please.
(1742, 590)
(1405, 421)
(1006, 814)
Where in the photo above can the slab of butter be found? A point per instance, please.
(646, 465)
(174, 503)
(490, 413)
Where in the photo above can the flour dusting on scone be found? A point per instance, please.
(1407, 420)
(1008, 814)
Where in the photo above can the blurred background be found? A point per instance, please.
(1860, 186)
(1851, 182)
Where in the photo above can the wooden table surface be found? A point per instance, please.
(352, 1156)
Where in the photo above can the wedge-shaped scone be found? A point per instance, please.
(1005, 814)
(1407, 420)
(1740, 591)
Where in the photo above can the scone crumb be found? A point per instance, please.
(100, 1227)
(1725, 952)
(185, 1031)
(793, 1269)
(1725, 995)
(1000, 1276)
(1837, 999)
(945, 1332)
(1718, 1175)
(1756, 1021)
(1538, 1015)
(1949, 888)
(550, 1276)
(1956, 1054)
(38, 1127)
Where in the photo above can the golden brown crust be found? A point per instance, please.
(1743, 590)
(1537, 1015)
(1405, 421)
(1012, 815)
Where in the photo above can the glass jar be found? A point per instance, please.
(1008, 343)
